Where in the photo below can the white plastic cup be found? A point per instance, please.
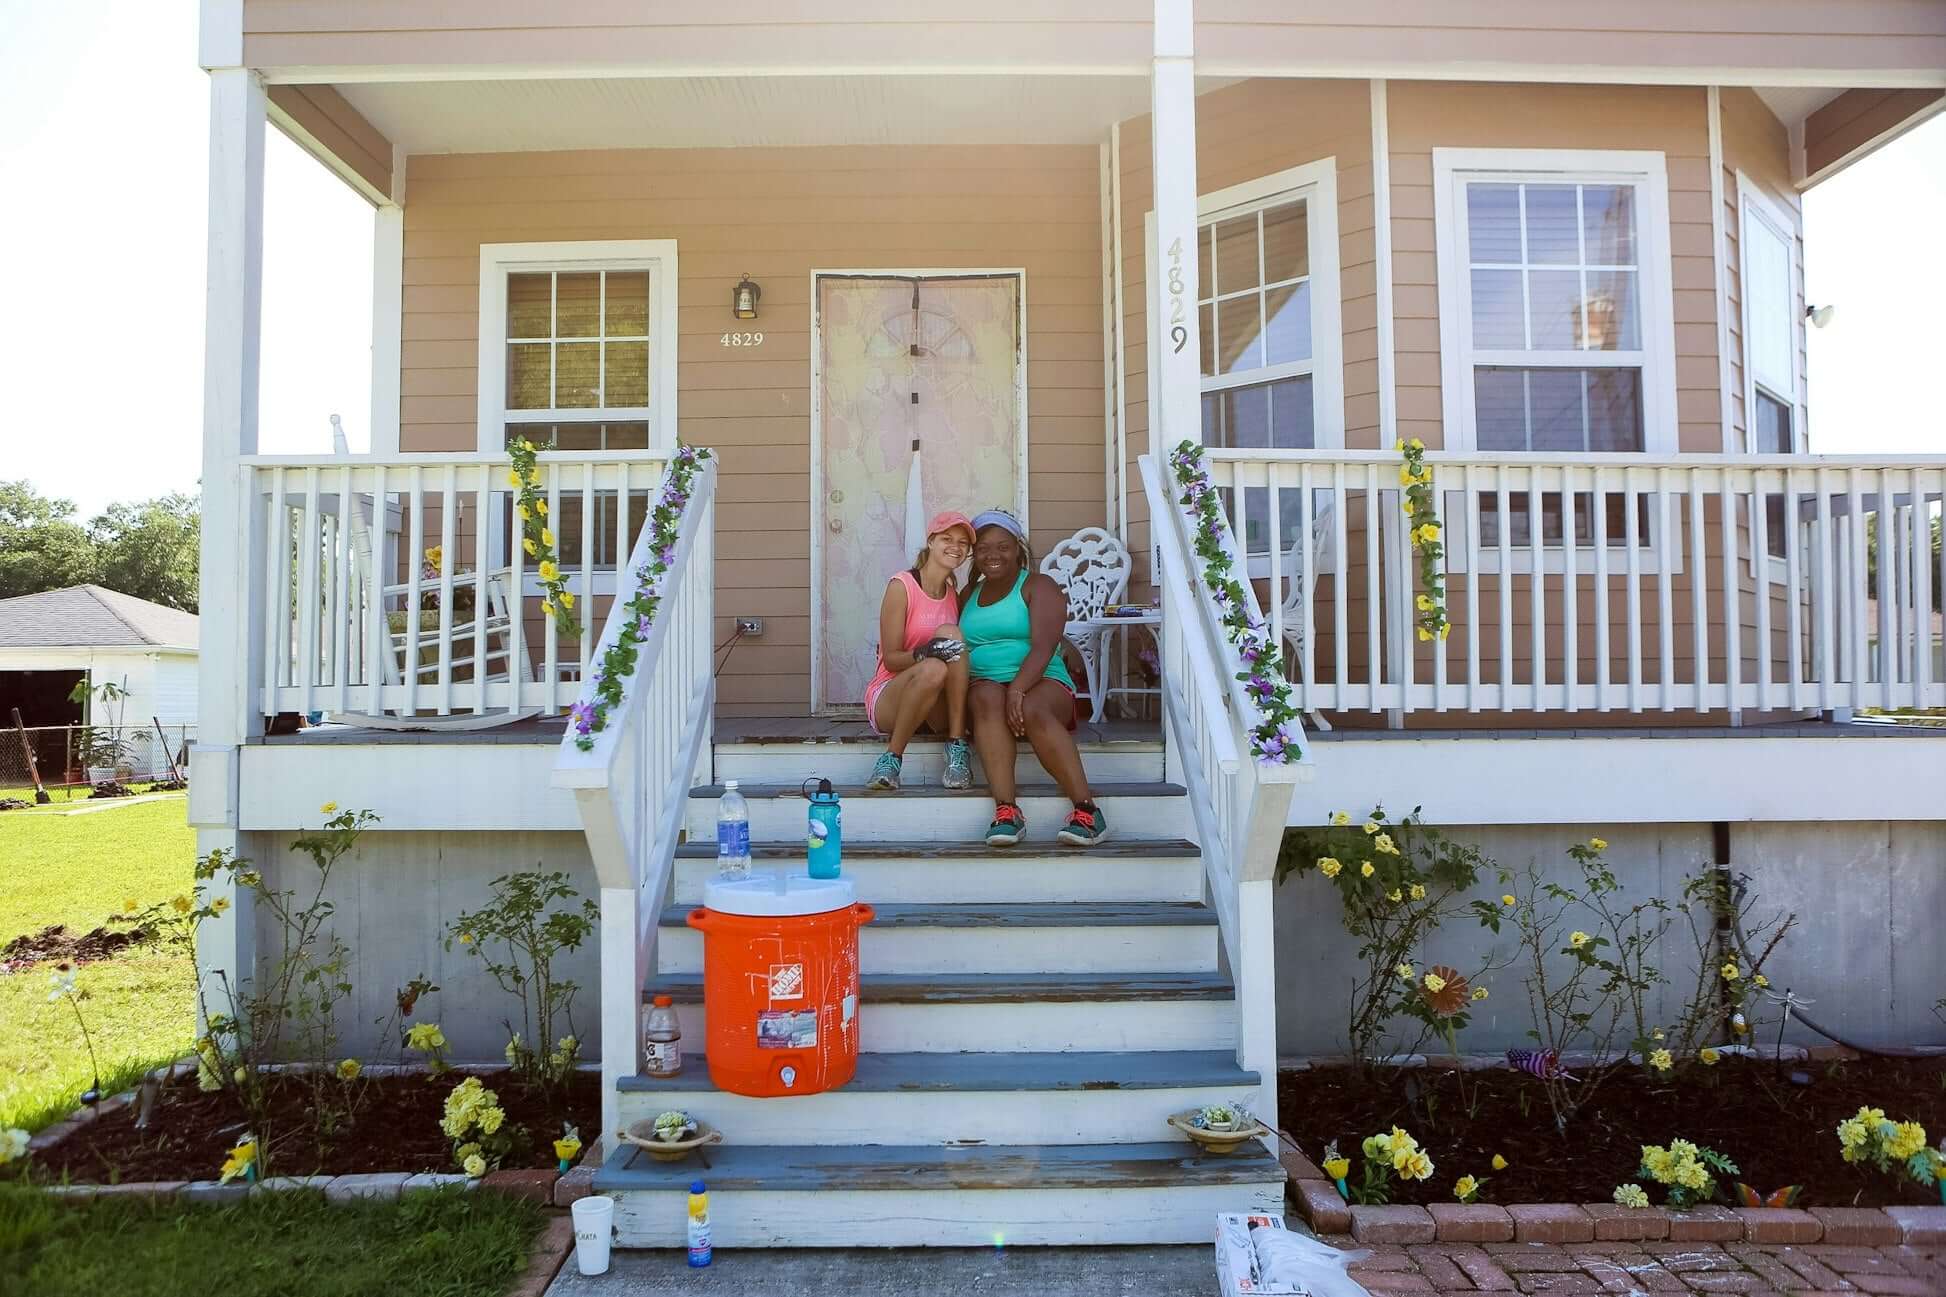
(594, 1233)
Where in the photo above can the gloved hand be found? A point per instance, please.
(946, 650)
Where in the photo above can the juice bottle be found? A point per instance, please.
(699, 1248)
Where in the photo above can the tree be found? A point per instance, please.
(42, 547)
(149, 549)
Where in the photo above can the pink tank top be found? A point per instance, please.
(924, 615)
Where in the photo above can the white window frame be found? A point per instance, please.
(1753, 204)
(1647, 170)
(657, 256)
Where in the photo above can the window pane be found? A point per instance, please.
(1615, 410)
(1205, 322)
(1614, 312)
(1553, 225)
(1205, 262)
(1557, 409)
(628, 304)
(1500, 408)
(1288, 334)
(1772, 321)
(1770, 431)
(1293, 417)
(577, 306)
(529, 306)
(1554, 309)
(1499, 319)
(1236, 254)
(1239, 344)
(625, 436)
(527, 376)
(1554, 410)
(1608, 220)
(1493, 223)
(577, 375)
(628, 374)
(576, 436)
(1246, 417)
(1213, 431)
(1287, 243)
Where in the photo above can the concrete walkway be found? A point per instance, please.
(907, 1272)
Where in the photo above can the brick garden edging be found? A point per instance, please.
(1318, 1203)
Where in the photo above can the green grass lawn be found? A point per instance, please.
(78, 870)
(270, 1245)
(61, 794)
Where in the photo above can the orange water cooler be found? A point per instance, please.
(780, 983)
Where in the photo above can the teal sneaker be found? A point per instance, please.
(1007, 827)
(885, 774)
(959, 764)
(1086, 826)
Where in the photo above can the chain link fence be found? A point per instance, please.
(76, 756)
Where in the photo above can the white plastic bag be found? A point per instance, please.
(1303, 1263)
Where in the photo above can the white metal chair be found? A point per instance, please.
(408, 635)
(1293, 605)
(1092, 567)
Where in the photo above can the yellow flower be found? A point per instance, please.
(1731, 972)
(1662, 1060)
(1598, 844)
(1630, 1195)
(1395, 896)
(239, 1161)
(1417, 1166)
(1399, 444)
(529, 545)
(218, 905)
(1366, 869)
(1577, 939)
(1416, 444)
(250, 878)
(491, 1119)
(349, 1069)
(1507, 899)
(1337, 1167)
(1479, 993)
(1435, 983)
(567, 598)
(1406, 508)
(465, 938)
(1760, 980)
(1423, 601)
(1427, 533)
(1341, 817)
(329, 808)
(565, 1149)
(547, 607)
(1406, 476)
(547, 537)
(1383, 842)
(427, 1036)
(181, 904)
(540, 507)
(1707, 1056)
(548, 570)
(1499, 1162)
(1418, 891)
(1329, 866)
(1907, 1138)
(130, 905)
(1659, 1034)
(521, 509)
(1404, 971)
(1371, 826)
(514, 478)
(1445, 630)
(1465, 1187)
(474, 1166)
(1425, 636)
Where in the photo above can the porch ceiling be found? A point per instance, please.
(733, 112)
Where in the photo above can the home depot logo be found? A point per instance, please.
(786, 982)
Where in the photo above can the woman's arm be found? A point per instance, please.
(891, 628)
(1047, 617)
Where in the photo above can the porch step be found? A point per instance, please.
(910, 1196)
(1120, 869)
(848, 762)
(971, 1098)
(1005, 937)
(939, 1013)
(1140, 808)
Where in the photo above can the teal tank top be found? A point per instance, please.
(999, 637)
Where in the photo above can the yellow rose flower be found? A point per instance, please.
(1329, 866)
(1598, 844)
(1479, 993)
(1371, 826)
(1406, 508)
(521, 510)
(547, 537)
(1434, 983)
(1417, 444)
(1465, 1187)
(1760, 980)
(1423, 602)
(218, 905)
(1577, 939)
(531, 548)
(1404, 971)
(329, 808)
(1445, 630)
(1341, 817)
(1708, 1056)
(1395, 896)
(1383, 843)
(474, 1166)
(1425, 635)
(548, 570)
(540, 507)
(1499, 1162)
(349, 1069)
(1418, 892)
(1507, 899)
(1662, 1060)
(567, 598)
(1731, 972)
(547, 607)
(514, 478)
(181, 904)
(1366, 869)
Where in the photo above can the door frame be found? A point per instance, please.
(819, 706)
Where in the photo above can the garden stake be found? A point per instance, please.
(33, 768)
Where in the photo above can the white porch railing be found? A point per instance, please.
(352, 620)
(1240, 805)
(632, 786)
(1646, 602)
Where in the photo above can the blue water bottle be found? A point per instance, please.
(824, 834)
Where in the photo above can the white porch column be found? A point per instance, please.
(229, 704)
(1173, 275)
(388, 310)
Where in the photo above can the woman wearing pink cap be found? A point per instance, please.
(922, 672)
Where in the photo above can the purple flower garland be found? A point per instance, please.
(590, 716)
(1263, 680)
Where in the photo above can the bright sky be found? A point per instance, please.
(102, 160)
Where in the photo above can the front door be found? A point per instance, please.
(919, 407)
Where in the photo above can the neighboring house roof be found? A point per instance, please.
(88, 616)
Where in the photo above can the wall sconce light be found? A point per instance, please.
(1819, 316)
(743, 299)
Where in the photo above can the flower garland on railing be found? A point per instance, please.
(1263, 674)
(537, 539)
(1420, 506)
(590, 716)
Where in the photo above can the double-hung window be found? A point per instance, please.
(577, 352)
(1268, 320)
(1768, 280)
(1556, 318)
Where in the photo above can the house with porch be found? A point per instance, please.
(1014, 256)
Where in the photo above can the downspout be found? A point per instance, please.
(1111, 392)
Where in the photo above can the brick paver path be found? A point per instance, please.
(1749, 1269)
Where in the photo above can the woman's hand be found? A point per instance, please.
(1017, 712)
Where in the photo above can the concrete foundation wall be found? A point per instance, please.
(395, 894)
(1869, 898)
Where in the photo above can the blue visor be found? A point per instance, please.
(999, 518)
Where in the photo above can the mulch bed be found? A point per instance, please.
(1778, 1133)
(397, 1129)
(59, 942)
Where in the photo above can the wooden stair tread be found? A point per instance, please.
(996, 988)
(945, 1073)
(1127, 788)
(1123, 848)
(1021, 914)
(908, 1168)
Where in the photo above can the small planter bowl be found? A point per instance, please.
(1217, 1141)
(700, 1134)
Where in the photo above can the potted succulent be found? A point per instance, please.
(674, 1125)
(1219, 1117)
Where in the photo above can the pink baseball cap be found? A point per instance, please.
(946, 520)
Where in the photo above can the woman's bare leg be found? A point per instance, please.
(1048, 708)
(991, 738)
(906, 700)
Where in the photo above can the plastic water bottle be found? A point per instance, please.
(700, 1252)
(732, 833)
(823, 835)
(662, 1039)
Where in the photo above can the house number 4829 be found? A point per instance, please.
(1178, 326)
(742, 340)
